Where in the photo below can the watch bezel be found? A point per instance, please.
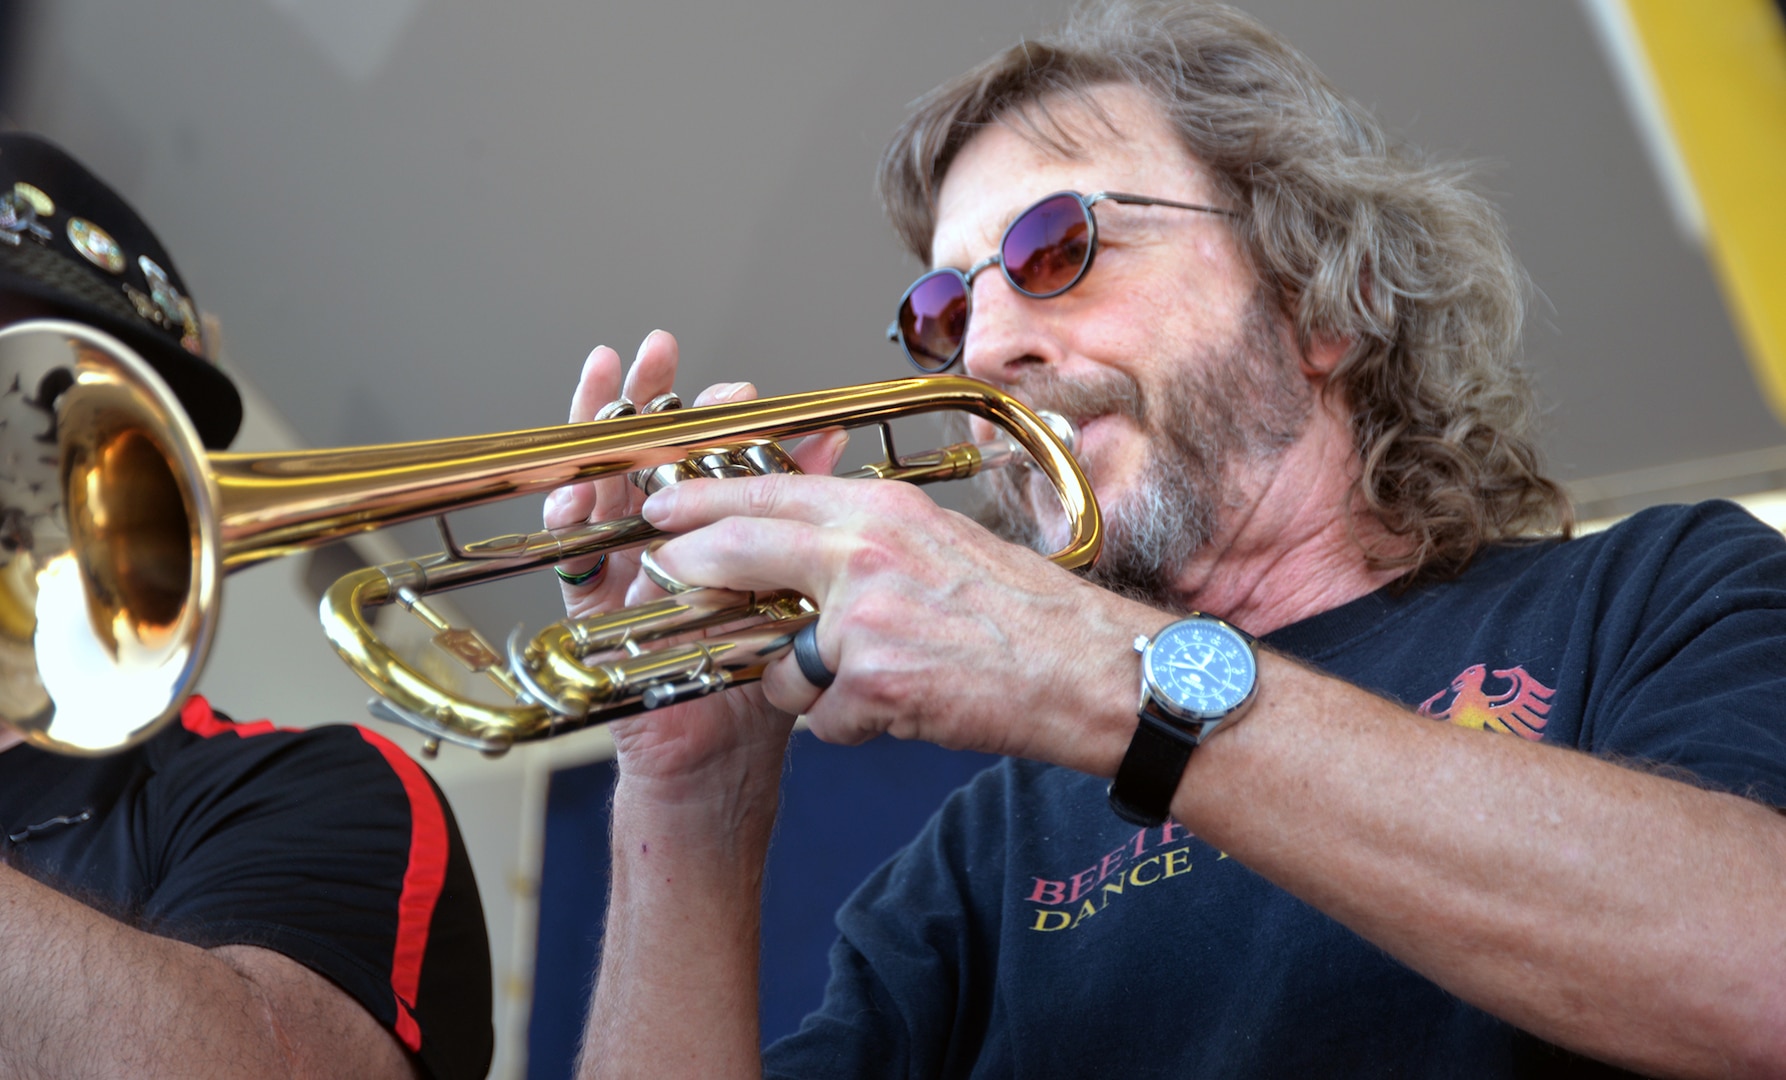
(1195, 722)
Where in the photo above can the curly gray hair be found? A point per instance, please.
(1361, 239)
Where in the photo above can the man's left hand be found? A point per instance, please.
(936, 629)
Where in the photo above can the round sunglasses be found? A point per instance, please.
(1044, 252)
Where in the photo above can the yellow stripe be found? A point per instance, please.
(1720, 70)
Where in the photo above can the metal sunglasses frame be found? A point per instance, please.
(1086, 202)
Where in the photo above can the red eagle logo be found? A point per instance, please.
(1521, 709)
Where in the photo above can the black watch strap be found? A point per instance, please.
(1148, 777)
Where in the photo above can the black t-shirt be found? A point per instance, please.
(1029, 932)
(329, 846)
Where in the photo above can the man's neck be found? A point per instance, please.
(1294, 545)
(9, 739)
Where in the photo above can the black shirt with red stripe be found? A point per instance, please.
(328, 845)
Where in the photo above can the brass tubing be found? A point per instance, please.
(119, 578)
(274, 504)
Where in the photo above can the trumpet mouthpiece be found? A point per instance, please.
(1064, 430)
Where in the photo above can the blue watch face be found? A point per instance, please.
(1200, 668)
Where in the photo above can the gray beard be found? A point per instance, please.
(1231, 407)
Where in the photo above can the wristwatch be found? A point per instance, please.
(1197, 675)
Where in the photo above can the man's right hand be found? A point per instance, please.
(706, 747)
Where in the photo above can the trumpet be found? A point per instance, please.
(113, 547)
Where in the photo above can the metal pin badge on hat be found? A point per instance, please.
(35, 197)
(145, 307)
(174, 306)
(96, 245)
(18, 217)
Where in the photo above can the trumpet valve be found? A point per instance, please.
(722, 464)
(767, 457)
(651, 481)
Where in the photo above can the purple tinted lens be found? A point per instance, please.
(1045, 249)
(933, 319)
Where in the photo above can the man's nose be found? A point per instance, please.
(1007, 333)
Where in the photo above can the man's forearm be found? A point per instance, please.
(1625, 915)
(676, 993)
(86, 996)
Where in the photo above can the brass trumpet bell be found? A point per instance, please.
(108, 599)
(117, 527)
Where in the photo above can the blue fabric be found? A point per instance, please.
(844, 810)
(573, 893)
(1029, 932)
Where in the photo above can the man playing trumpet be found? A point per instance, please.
(1415, 783)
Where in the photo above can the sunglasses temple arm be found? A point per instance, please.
(1147, 200)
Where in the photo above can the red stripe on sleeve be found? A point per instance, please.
(422, 883)
(198, 717)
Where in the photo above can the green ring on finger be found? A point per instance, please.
(586, 576)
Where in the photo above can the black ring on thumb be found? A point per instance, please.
(806, 654)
